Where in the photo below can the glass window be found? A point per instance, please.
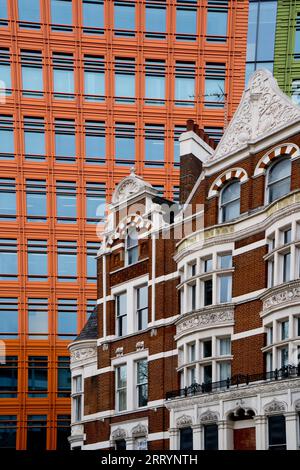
(65, 143)
(225, 288)
(216, 24)
(185, 83)
(155, 20)
(154, 145)
(124, 80)
(225, 261)
(120, 445)
(224, 370)
(34, 138)
(297, 38)
(121, 374)
(91, 262)
(8, 318)
(125, 143)
(178, 130)
(287, 236)
(37, 376)
(142, 382)
(176, 194)
(284, 357)
(207, 348)
(269, 335)
(94, 78)
(186, 20)
(230, 201)
(207, 374)
(77, 398)
(37, 260)
(67, 261)
(192, 352)
(32, 73)
(279, 179)
(225, 346)
(66, 206)
(95, 202)
(63, 377)
(8, 203)
(277, 432)
(36, 432)
(155, 82)
(271, 273)
(5, 72)
(208, 266)
(37, 318)
(284, 329)
(191, 375)
(95, 147)
(132, 247)
(186, 439)
(9, 377)
(29, 14)
(208, 292)
(67, 318)
(63, 424)
(286, 275)
(61, 15)
(93, 16)
(269, 361)
(193, 296)
(296, 91)
(142, 307)
(3, 19)
(214, 85)
(8, 259)
(8, 426)
(211, 441)
(63, 76)
(121, 314)
(7, 147)
(36, 200)
(90, 306)
(124, 18)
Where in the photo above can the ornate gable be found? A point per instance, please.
(133, 184)
(263, 110)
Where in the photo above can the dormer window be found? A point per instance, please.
(279, 179)
(230, 201)
(132, 248)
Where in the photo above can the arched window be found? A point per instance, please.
(132, 249)
(230, 201)
(279, 179)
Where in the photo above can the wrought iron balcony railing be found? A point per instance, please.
(287, 372)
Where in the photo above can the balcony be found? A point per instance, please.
(288, 372)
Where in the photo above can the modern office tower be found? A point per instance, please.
(195, 345)
(89, 88)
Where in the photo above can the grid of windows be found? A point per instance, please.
(65, 144)
(8, 203)
(154, 145)
(34, 138)
(185, 84)
(67, 319)
(93, 16)
(61, 15)
(125, 143)
(94, 78)
(9, 377)
(3, 13)
(124, 18)
(36, 200)
(186, 20)
(29, 14)
(63, 76)
(37, 318)
(67, 260)
(5, 72)
(32, 73)
(9, 318)
(95, 147)
(37, 376)
(217, 17)
(155, 19)
(124, 80)
(95, 202)
(155, 82)
(8, 426)
(6, 137)
(63, 377)
(8, 259)
(215, 85)
(91, 264)
(37, 255)
(66, 207)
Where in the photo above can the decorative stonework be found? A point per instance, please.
(263, 110)
(297, 405)
(83, 354)
(209, 416)
(140, 346)
(105, 347)
(134, 220)
(133, 184)
(184, 421)
(118, 433)
(119, 351)
(77, 430)
(287, 149)
(139, 430)
(238, 173)
(204, 319)
(287, 295)
(275, 407)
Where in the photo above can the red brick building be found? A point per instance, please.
(195, 341)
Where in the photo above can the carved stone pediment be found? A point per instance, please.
(118, 433)
(184, 421)
(275, 406)
(139, 430)
(133, 184)
(209, 416)
(263, 110)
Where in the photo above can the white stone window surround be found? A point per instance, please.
(274, 320)
(77, 394)
(277, 248)
(187, 280)
(130, 288)
(130, 361)
(214, 334)
(130, 431)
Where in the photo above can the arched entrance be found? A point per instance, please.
(243, 428)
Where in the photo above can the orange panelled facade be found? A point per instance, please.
(47, 407)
